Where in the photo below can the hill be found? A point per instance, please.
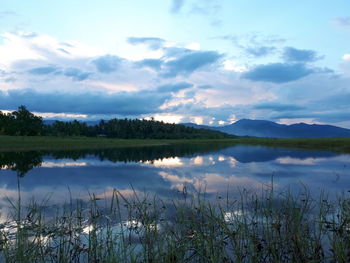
(269, 129)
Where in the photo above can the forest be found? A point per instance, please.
(24, 123)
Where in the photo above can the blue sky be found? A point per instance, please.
(204, 61)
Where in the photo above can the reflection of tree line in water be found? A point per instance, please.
(23, 162)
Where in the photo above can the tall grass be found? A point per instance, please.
(47, 143)
(269, 227)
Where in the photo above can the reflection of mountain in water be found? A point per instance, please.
(247, 154)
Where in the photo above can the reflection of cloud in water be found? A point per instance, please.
(176, 181)
(62, 164)
(297, 161)
(202, 160)
(109, 192)
(211, 182)
(216, 183)
(236, 167)
(172, 161)
(5, 196)
(232, 161)
(231, 217)
(198, 160)
(221, 158)
(211, 160)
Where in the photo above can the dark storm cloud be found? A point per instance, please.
(174, 87)
(150, 63)
(153, 43)
(123, 103)
(291, 54)
(278, 72)
(277, 106)
(107, 63)
(188, 63)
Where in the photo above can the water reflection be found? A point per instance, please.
(20, 162)
(213, 169)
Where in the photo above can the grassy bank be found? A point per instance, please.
(339, 145)
(32, 143)
(27, 143)
(139, 228)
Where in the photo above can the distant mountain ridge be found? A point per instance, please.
(89, 123)
(270, 129)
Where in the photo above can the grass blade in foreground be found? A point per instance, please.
(142, 228)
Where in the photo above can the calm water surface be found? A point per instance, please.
(165, 171)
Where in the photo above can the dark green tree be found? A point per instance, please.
(26, 123)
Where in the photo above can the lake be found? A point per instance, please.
(65, 203)
(168, 171)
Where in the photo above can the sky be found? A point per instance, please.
(210, 62)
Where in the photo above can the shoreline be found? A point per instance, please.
(38, 143)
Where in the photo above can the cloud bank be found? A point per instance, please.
(190, 85)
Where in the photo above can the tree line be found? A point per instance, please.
(24, 123)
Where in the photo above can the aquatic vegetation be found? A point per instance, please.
(269, 227)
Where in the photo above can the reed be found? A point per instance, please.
(264, 227)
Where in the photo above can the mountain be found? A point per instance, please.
(89, 123)
(263, 128)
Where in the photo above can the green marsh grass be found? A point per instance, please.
(47, 143)
(269, 227)
(339, 145)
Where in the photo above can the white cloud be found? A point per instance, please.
(197, 119)
(169, 118)
(193, 46)
(216, 92)
(50, 115)
(15, 48)
(346, 57)
(23, 46)
(232, 66)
